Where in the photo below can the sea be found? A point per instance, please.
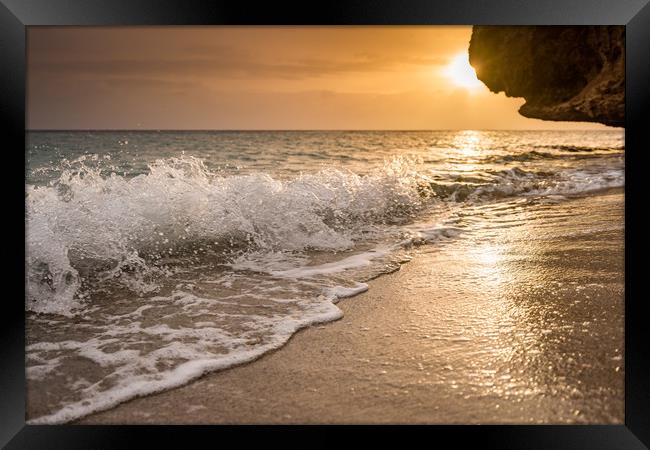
(154, 257)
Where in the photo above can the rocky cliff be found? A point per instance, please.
(572, 73)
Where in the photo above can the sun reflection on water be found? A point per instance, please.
(502, 319)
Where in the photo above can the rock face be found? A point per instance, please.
(572, 73)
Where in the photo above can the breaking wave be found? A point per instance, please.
(89, 227)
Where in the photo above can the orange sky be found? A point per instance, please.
(260, 78)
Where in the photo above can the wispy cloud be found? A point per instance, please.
(238, 66)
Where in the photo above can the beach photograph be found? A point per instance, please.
(325, 225)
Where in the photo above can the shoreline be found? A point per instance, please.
(475, 348)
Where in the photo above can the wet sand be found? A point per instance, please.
(520, 321)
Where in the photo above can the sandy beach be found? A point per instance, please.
(520, 321)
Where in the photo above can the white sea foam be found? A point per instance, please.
(124, 228)
(351, 262)
(183, 354)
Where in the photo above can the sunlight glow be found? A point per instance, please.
(461, 73)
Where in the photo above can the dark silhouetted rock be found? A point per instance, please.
(572, 73)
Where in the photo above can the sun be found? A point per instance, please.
(461, 73)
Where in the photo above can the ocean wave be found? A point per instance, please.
(503, 183)
(520, 157)
(89, 228)
(86, 224)
(581, 148)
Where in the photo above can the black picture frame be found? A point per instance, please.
(16, 15)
